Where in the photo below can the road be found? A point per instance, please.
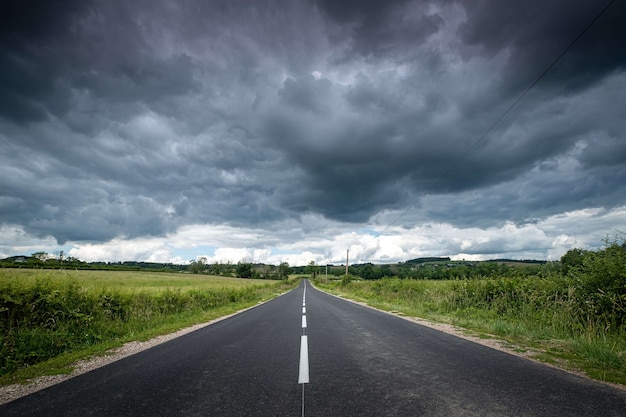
(308, 353)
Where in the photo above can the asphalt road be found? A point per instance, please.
(308, 353)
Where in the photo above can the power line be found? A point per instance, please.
(502, 116)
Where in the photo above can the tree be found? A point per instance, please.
(41, 256)
(311, 269)
(214, 268)
(283, 271)
(244, 270)
(367, 271)
(385, 271)
(197, 266)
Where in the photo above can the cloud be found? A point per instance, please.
(543, 239)
(127, 121)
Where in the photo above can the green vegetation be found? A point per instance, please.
(573, 312)
(43, 260)
(55, 317)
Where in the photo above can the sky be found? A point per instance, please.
(298, 131)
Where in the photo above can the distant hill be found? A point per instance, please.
(429, 259)
(22, 261)
(518, 261)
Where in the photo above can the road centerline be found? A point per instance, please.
(303, 375)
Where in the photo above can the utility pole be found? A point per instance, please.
(347, 257)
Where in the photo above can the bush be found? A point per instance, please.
(601, 287)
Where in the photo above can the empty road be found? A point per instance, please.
(308, 353)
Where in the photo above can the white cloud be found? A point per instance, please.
(15, 241)
(547, 239)
(120, 249)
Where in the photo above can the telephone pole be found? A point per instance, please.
(347, 257)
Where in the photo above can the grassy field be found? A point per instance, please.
(129, 281)
(534, 314)
(52, 318)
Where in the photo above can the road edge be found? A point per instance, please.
(492, 342)
(13, 392)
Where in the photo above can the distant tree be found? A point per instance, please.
(385, 271)
(41, 256)
(228, 268)
(283, 271)
(266, 271)
(312, 269)
(197, 266)
(244, 270)
(216, 268)
(367, 271)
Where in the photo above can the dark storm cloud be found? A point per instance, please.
(535, 33)
(29, 75)
(135, 118)
(377, 28)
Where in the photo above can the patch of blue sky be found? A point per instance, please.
(194, 253)
(368, 231)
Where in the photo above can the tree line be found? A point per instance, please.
(240, 269)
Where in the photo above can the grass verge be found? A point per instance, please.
(532, 315)
(51, 319)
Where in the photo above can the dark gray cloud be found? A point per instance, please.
(535, 33)
(375, 29)
(134, 119)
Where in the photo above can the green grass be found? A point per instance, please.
(49, 319)
(532, 314)
(129, 280)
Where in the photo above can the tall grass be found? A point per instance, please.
(573, 317)
(45, 315)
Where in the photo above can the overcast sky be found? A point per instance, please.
(269, 131)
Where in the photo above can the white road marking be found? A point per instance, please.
(303, 310)
(303, 376)
(304, 322)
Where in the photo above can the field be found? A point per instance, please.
(51, 318)
(129, 281)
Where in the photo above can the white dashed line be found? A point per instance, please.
(303, 376)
